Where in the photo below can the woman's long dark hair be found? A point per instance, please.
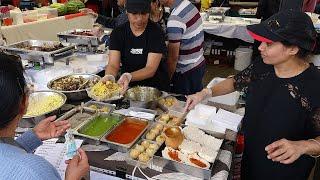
(12, 87)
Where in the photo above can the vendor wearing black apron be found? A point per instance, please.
(138, 46)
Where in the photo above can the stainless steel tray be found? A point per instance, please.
(76, 94)
(181, 167)
(68, 37)
(46, 56)
(73, 112)
(84, 125)
(136, 162)
(45, 94)
(100, 105)
(160, 161)
(31, 121)
(124, 147)
(152, 126)
(173, 113)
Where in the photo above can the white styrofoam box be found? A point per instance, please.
(193, 118)
(228, 99)
(227, 119)
(215, 81)
(200, 115)
(217, 128)
(205, 111)
(205, 117)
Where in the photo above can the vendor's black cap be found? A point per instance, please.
(138, 6)
(291, 26)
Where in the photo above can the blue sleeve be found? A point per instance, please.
(29, 141)
(175, 29)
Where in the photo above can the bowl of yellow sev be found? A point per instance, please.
(44, 102)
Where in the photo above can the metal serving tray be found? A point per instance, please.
(85, 124)
(37, 55)
(74, 111)
(173, 113)
(100, 105)
(136, 162)
(75, 95)
(151, 126)
(68, 37)
(160, 161)
(124, 147)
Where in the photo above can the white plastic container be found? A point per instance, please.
(16, 16)
(204, 16)
(242, 58)
(227, 102)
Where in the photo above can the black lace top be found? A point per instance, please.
(278, 108)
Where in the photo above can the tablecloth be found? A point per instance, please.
(116, 165)
(233, 28)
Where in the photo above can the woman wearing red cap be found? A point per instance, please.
(282, 121)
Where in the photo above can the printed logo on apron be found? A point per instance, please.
(136, 51)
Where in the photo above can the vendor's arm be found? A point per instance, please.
(238, 82)
(113, 66)
(173, 55)
(149, 70)
(286, 151)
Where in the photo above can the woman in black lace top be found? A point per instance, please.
(282, 121)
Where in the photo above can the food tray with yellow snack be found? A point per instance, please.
(171, 118)
(155, 133)
(168, 101)
(171, 103)
(100, 106)
(141, 153)
(107, 91)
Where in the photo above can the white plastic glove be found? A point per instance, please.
(124, 81)
(108, 77)
(194, 99)
(88, 11)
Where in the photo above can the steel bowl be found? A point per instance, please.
(31, 121)
(77, 94)
(141, 96)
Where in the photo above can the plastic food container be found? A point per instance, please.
(30, 16)
(147, 150)
(48, 12)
